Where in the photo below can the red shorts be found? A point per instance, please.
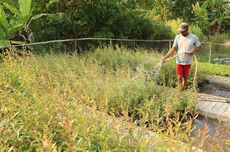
(182, 70)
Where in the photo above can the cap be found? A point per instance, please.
(183, 27)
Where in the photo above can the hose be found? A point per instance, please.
(195, 72)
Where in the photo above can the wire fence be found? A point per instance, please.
(210, 52)
(215, 53)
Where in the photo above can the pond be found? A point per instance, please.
(221, 61)
(216, 132)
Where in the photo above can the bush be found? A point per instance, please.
(197, 31)
(220, 38)
(96, 19)
(174, 25)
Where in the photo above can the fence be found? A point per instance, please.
(215, 53)
(210, 52)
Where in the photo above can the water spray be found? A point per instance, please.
(156, 70)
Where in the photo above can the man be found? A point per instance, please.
(185, 45)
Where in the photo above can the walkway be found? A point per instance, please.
(215, 106)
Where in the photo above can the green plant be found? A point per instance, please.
(195, 29)
(67, 102)
(14, 20)
(214, 69)
(212, 16)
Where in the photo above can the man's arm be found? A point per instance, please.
(197, 46)
(194, 50)
(170, 52)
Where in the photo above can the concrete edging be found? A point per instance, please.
(219, 80)
(214, 107)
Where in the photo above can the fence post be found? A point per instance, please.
(210, 52)
(134, 44)
(110, 42)
(75, 45)
(170, 44)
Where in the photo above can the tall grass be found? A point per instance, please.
(43, 99)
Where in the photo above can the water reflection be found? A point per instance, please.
(210, 132)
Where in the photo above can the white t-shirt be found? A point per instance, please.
(183, 44)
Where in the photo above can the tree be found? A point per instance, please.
(174, 9)
(97, 18)
(213, 16)
(13, 20)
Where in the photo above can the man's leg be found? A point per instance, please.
(180, 80)
(185, 82)
(179, 71)
(186, 71)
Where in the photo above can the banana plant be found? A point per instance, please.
(212, 15)
(14, 19)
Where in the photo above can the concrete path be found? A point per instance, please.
(215, 107)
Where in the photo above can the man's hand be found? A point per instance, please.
(163, 61)
(170, 52)
(190, 52)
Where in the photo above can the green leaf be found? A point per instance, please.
(3, 19)
(13, 9)
(3, 1)
(25, 6)
(39, 16)
(14, 29)
(4, 43)
(226, 17)
(17, 42)
(3, 34)
(213, 23)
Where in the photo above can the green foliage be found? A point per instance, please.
(139, 4)
(168, 77)
(133, 19)
(174, 25)
(214, 69)
(25, 6)
(42, 104)
(201, 15)
(173, 10)
(10, 27)
(60, 103)
(195, 29)
(220, 38)
(213, 16)
(13, 20)
(180, 9)
(97, 19)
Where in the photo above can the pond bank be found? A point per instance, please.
(214, 102)
(208, 131)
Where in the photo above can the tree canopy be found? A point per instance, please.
(134, 19)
